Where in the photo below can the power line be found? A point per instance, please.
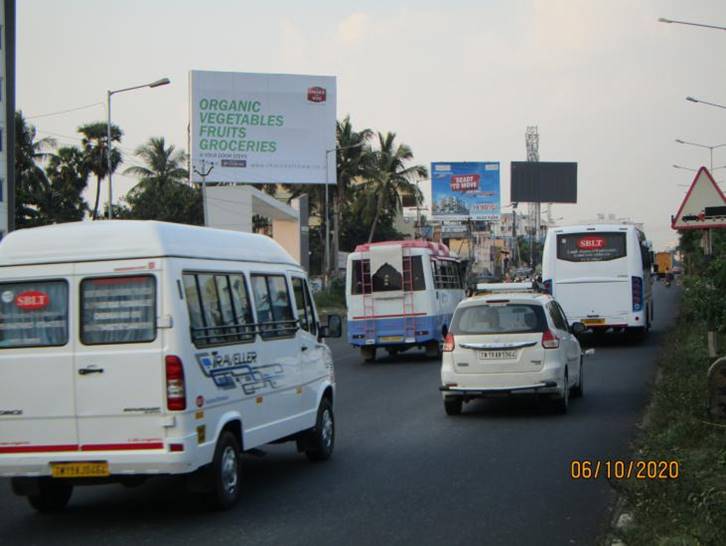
(59, 112)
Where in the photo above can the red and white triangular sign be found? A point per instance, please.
(703, 194)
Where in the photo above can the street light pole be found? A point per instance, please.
(157, 83)
(664, 20)
(709, 148)
(694, 99)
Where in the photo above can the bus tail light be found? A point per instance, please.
(550, 340)
(176, 397)
(548, 286)
(637, 286)
(449, 343)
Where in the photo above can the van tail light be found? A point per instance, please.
(176, 396)
(548, 286)
(637, 285)
(449, 343)
(550, 340)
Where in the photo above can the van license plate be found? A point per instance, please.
(593, 321)
(497, 355)
(79, 470)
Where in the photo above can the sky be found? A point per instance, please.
(604, 82)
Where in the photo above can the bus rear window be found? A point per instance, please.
(387, 278)
(33, 314)
(118, 310)
(591, 247)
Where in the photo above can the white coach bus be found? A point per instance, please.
(133, 349)
(600, 275)
(400, 295)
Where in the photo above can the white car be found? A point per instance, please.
(511, 340)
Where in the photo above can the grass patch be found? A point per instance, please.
(691, 509)
(331, 297)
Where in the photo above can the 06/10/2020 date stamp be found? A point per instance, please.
(624, 470)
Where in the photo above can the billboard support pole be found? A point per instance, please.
(203, 175)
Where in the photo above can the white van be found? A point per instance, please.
(600, 274)
(133, 349)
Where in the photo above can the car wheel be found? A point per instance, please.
(578, 390)
(321, 440)
(562, 402)
(226, 472)
(453, 405)
(433, 349)
(368, 354)
(53, 496)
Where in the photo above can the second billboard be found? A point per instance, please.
(462, 191)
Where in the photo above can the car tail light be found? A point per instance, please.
(176, 397)
(449, 343)
(637, 285)
(550, 340)
(548, 286)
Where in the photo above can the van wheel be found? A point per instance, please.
(562, 402)
(226, 472)
(453, 405)
(321, 439)
(53, 496)
(578, 390)
(368, 354)
(433, 349)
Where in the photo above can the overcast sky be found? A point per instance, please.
(457, 81)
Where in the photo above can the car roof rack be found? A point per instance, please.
(492, 288)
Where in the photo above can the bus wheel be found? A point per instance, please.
(368, 354)
(433, 349)
(392, 351)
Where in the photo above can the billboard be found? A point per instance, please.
(462, 191)
(543, 182)
(262, 128)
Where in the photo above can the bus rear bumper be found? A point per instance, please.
(395, 331)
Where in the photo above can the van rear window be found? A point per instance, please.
(33, 314)
(595, 246)
(118, 310)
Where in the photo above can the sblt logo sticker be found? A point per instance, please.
(317, 94)
(591, 243)
(32, 300)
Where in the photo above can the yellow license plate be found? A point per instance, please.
(593, 321)
(79, 470)
(391, 338)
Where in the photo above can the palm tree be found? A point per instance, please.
(31, 181)
(68, 175)
(94, 144)
(354, 160)
(391, 179)
(164, 165)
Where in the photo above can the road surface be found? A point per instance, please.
(402, 473)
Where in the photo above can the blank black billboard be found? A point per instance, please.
(543, 182)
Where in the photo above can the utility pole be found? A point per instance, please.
(204, 173)
(531, 138)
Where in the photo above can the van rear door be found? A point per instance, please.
(119, 371)
(37, 407)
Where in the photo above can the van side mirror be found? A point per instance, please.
(578, 328)
(334, 328)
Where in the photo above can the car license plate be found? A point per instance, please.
(391, 338)
(80, 470)
(593, 321)
(497, 355)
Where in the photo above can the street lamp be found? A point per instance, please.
(157, 83)
(693, 99)
(664, 20)
(709, 148)
(327, 224)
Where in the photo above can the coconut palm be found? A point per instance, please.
(94, 144)
(390, 180)
(163, 165)
(67, 172)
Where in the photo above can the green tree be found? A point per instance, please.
(30, 180)
(391, 179)
(94, 144)
(67, 173)
(162, 192)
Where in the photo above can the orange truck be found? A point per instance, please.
(663, 263)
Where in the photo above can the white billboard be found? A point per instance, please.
(262, 128)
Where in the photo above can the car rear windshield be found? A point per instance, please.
(514, 318)
(591, 246)
(33, 314)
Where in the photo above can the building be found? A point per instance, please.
(7, 116)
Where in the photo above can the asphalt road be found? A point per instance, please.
(402, 473)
